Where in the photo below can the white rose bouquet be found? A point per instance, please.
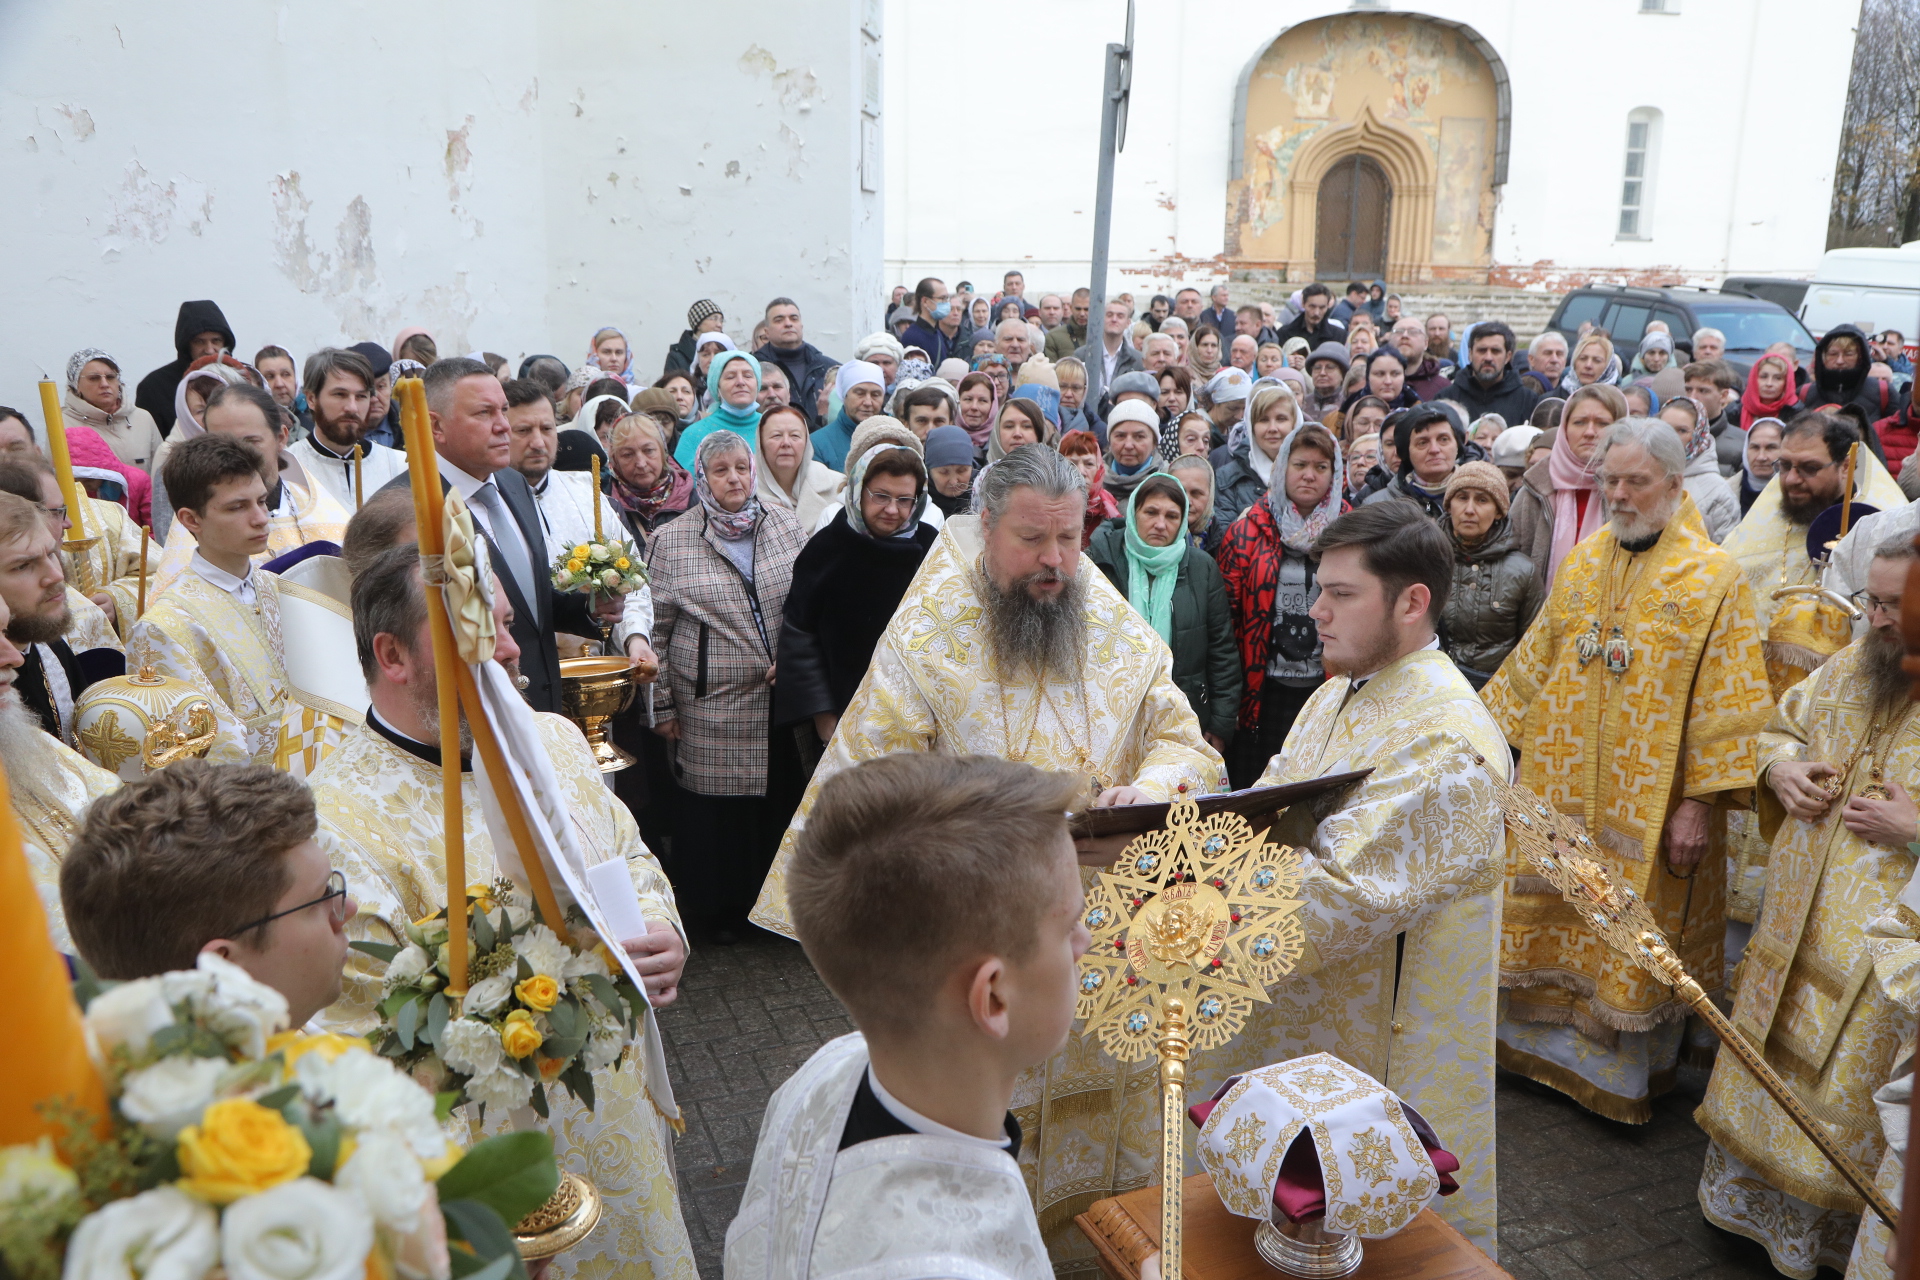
(540, 1009)
(611, 567)
(235, 1144)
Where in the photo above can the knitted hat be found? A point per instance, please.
(700, 311)
(881, 429)
(1133, 411)
(1038, 369)
(656, 400)
(1483, 476)
(1139, 382)
(1510, 446)
(1334, 351)
(949, 447)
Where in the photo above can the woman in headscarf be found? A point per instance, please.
(648, 487)
(1702, 479)
(1082, 449)
(733, 381)
(1150, 559)
(679, 384)
(1071, 373)
(1757, 457)
(609, 353)
(1203, 353)
(1266, 562)
(1021, 422)
(884, 352)
(1770, 391)
(705, 347)
(980, 311)
(1272, 412)
(720, 579)
(1558, 502)
(597, 416)
(97, 398)
(847, 582)
(1133, 454)
(189, 402)
(789, 478)
(1386, 374)
(860, 391)
(979, 409)
(1655, 354)
(1592, 361)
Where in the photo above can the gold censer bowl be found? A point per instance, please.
(592, 692)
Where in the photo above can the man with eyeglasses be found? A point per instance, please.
(203, 858)
(1819, 987)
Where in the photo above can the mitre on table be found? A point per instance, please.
(1314, 1137)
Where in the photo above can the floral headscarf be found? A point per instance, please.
(1701, 441)
(80, 360)
(625, 372)
(856, 487)
(729, 526)
(1298, 533)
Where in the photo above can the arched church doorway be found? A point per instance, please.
(1352, 217)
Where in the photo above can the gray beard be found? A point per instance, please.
(1888, 686)
(1634, 527)
(1046, 637)
(28, 751)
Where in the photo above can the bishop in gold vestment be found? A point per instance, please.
(204, 631)
(1091, 1126)
(1799, 631)
(1641, 686)
(378, 796)
(1414, 852)
(1814, 988)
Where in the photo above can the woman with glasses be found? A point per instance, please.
(848, 580)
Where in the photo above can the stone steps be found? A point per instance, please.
(1527, 310)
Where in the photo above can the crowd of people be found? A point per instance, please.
(1608, 547)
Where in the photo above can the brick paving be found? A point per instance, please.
(1580, 1196)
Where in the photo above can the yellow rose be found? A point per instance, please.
(575, 566)
(240, 1148)
(623, 563)
(580, 552)
(538, 992)
(518, 1036)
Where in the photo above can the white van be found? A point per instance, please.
(1874, 288)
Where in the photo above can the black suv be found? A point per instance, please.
(1751, 324)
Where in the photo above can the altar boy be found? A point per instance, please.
(940, 900)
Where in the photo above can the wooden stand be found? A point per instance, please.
(1219, 1244)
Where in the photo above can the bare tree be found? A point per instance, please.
(1876, 178)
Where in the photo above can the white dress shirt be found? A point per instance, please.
(466, 486)
(240, 589)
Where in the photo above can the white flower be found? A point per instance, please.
(519, 911)
(126, 1017)
(501, 1088)
(471, 1047)
(299, 1230)
(596, 551)
(32, 1172)
(169, 1095)
(582, 963)
(489, 995)
(386, 1175)
(240, 1009)
(163, 1234)
(609, 577)
(372, 1096)
(561, 578)
(605, 1045)
(541, 949)
(407, 968)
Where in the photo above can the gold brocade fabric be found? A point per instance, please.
(228, 651)
(89, 628)
(1811, 989)
(1415, 851)
(1092, 1128)
(1620, 751)
(312, 516)
(380, 822)
(112, 564)
(49, 809)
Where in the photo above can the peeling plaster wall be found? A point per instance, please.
(978, 183)
(508, 176)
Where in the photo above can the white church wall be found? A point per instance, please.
(508, 177)
(979, 183)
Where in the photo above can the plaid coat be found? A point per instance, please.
(717, 636)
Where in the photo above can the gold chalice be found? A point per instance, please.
(568, 1217)
(592, 692)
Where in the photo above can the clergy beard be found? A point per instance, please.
(41, 628)
(1802, 513)
(1048, 637)
(1631, 526)
(425, 698)
(1887, 685)
(24, 745)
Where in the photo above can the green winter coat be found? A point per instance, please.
(1206, 661)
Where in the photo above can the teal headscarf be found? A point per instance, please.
(1152, 572)
(744, 423)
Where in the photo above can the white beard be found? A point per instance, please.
(1629, 525)
(25, 746)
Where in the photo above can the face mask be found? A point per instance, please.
(941, 309)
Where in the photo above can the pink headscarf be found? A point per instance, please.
(1570, 476)
(93, 459)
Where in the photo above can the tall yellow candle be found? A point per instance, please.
(62, 461)
(596, 497)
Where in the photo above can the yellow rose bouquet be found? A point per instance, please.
(611, 567)
(239, 1147)
(539, 1011)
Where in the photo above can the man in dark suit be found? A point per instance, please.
(468, 407)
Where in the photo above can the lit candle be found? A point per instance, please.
(62, 461)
